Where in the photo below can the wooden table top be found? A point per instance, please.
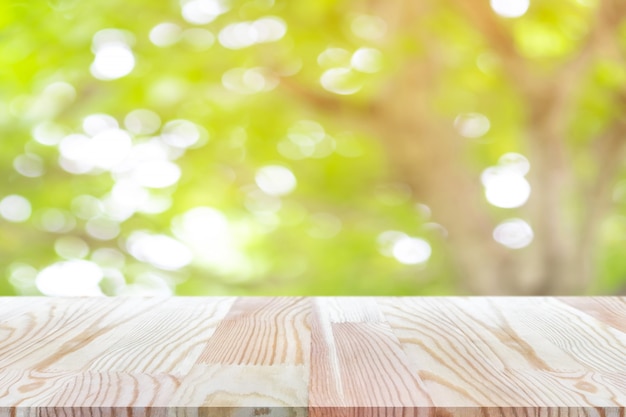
(320, 356)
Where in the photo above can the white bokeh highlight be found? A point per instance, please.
(368, 60)
(405, 249)
(180, 133)
(29, 165)
(213, 239)
(165, 34)
(341, 81)
(200, 12)
(472, 125)
(505, 184)
(275, 180)
(114, 57)
(510, 8)
(514, 234)
(15, 208)
(245, 34)
(75, 278)
(142, 122)
(113, 62)
(159, 250)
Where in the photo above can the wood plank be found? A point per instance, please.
(547, 411)
(349, 309)
(11, 307)
(28, 388)
(167, 339)
(588, 341)
(358, 368)
(459, 357)
(92, 412)
(256, 363)
(319, 357)
(571, 388)
(610, 310)
(261, 331)
(54, 328)
(468, 350)
(38, 392)
(102, 389)
(255, 390)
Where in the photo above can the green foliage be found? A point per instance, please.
(325, 236)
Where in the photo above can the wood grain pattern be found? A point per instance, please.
(609, 310)
(357, 364)
(261, 331)
(318, 356)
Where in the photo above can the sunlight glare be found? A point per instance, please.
(162, 251)
(75, 278)
(368, 60)
(404, 248)
(86, 206)
(411, 250)
(155, 204)
(15, 208)
(71, 247)
(22, 276)
(307, 139)
(202, 226)
(49, 133)
(505, 185)
(340, 81)
(302, 139)
(142, 122)
(56, 221)
(99, 122)
(510, 8)
(180, 133)
(248, 81)
(109, 148)
(165, 34)
(200, 12)
(102, 228)
(111, 36)
(269, 29)
(29, 165)
(334, 57)
(244, 34)
(513, 233)
(156, 174)
(472, 125)
(214, 240)
(112, 62)
(104, 151)
(514, 162)
(124, 200)
(275, 180)
(108, 257)
(506, 189)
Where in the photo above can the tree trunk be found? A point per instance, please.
(426, 153)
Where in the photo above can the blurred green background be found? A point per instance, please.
(248, 147)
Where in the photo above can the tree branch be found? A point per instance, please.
(483, 19)
(601, 39)
(330, 104)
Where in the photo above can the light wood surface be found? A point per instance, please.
(318, 356)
